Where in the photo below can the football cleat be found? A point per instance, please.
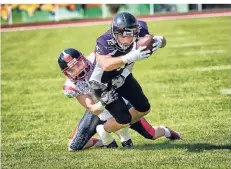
(112, 145)
(174, 135)
(127, 144)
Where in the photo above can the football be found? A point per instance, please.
(145, 41)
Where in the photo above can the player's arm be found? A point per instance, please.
(130, 66)
(87, 102)
(107, 97)
(109, 63)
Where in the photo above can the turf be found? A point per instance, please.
(182, 81)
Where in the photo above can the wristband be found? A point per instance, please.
(124, 59)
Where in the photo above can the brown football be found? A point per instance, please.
(145, 41)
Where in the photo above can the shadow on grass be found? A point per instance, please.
(197, 147)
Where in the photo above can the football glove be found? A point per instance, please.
(138, 54)
(108, 97)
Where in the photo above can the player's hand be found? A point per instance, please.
(108, 97)
(157, 43)
(138, 54)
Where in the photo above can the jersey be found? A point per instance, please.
(106, 45)
(81, 87)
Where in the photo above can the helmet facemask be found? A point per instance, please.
(77, 69)
(125, 32)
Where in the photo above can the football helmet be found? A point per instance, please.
(124, 24)
(73, 64)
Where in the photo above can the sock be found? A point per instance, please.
(144, 128)
(104, 136)
(123, 134)
(166, 131)
(96, 142)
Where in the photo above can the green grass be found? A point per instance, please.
(37, 118)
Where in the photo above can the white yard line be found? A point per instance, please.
(186, 45)
(93, 23)
(201, 52)
(225, 91)
(225, 67)
(175, 38)
(179, 32)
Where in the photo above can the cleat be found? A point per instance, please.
(174, 135)
(127, 144)
(112, 145)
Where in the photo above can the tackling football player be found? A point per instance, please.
(78, 70)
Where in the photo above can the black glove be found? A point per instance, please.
(108, 97)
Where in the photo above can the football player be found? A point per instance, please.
(78, 70)
(116, 51)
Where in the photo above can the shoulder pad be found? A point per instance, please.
(104, 43)
(69, 89)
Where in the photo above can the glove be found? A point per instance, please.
(138, 54)
(108, 97)
(157, 44)
(97, 86)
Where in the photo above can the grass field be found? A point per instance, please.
(182, 81)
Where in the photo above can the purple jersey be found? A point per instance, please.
(106, 45)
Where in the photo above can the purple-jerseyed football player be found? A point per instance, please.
(116, 51)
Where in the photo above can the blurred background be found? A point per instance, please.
(30, 13)
(188, 84)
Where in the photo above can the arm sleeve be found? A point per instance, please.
(130, 66)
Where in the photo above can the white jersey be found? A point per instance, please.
(81, 87)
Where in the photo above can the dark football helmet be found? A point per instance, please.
(124, 24)
(73, 64)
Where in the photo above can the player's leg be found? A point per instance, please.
(118, 109)
(112, 125)
(121, 119)
(86, 129)
(125, 137)
(144, 128)
(109, 142)
(93, 141)
(132, 91)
